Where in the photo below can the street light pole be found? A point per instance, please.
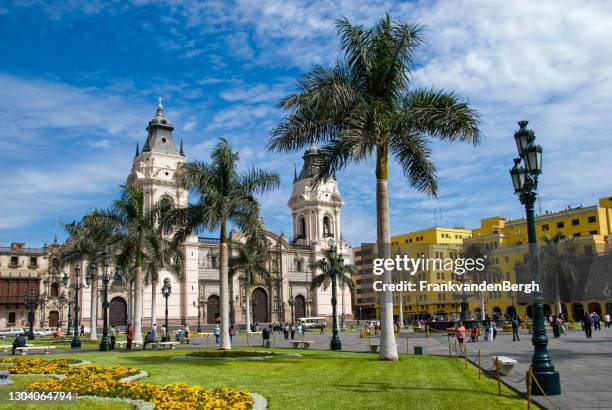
(32, 301)
(166, 291)
(105, 344)
(77, 285)
(291, 303)
(525, 181)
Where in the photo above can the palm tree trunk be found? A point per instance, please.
(247, 303)
(558, 297)
(388, 347)
(154, 302)
(223, 276)
(138, 279)
(93, 317)
(482, 304)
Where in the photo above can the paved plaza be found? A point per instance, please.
(585, 365)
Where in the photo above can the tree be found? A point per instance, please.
(226, 195)
(161, 253)
(87, 241)
(363, 107)
(132, 228)
(250, 262)
(489, 273)
(557, 265)
(333, 272)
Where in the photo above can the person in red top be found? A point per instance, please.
(130, 333)
(461, 334)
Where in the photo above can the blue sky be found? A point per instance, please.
(78, 81)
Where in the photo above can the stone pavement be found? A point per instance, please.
(585, 366)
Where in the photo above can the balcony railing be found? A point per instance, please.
(212, 241)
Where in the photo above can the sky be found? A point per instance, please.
(79, 81)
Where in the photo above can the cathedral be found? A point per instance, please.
(315, 211)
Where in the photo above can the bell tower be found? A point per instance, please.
(154, 167)
(315, 209)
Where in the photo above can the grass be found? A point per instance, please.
(229, 353)
(21, 383)
(327, 380)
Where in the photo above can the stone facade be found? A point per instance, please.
(316, 222)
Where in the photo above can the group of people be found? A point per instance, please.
(593, 321)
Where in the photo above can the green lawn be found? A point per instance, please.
(326, 380)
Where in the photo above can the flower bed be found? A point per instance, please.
(105, 381)
(231, 353)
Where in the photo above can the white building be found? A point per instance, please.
(316, 219)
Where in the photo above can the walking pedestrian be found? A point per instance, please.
(474, 333)
(555, 326)
(607, 320)
(113, 337)
(217, 333)
(292, 331)
(286, 331)
(130, 334)
(515, 329)
(164, 333)
(232, 332)
(587, 325)
(460, 333)
(596, 320)
(322, 328)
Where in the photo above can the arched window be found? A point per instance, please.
(54, 290)
(327, 233)
(302, 228)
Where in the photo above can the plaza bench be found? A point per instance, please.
(25, 350)
(304, 343)
(160, 345)
(373, 348)
(6, 348)
(506, 364)
(123, 344)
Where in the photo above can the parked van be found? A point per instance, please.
(312, 322)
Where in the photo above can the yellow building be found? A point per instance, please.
(505, 243)
(589, 228)
(428, 243)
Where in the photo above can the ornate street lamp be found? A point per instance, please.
(106, 277)
(198, 304)
(166, 291)
(32, 300)
(335, 267)
(525, 182)
(292, 304)
(78, 285)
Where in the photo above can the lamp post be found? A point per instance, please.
(525, 181)
(334, 267)
(166, 291)
(78, 285)
(69, 321)
(32, 300)
(106, 277)
(292, 304)
(198, 304)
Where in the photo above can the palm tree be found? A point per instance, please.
(489, 273)
(87, 242)
(225, 195)
(557, 265)
(333, 272)
(161, 253)
(363, 107)
(132, 226)
(249, 261)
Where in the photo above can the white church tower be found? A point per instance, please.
(315, 210)
(154, 169)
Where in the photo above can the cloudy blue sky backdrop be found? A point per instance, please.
(78, 81)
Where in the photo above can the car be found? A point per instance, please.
(43, 332)
(12, 332)
(312, 322)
